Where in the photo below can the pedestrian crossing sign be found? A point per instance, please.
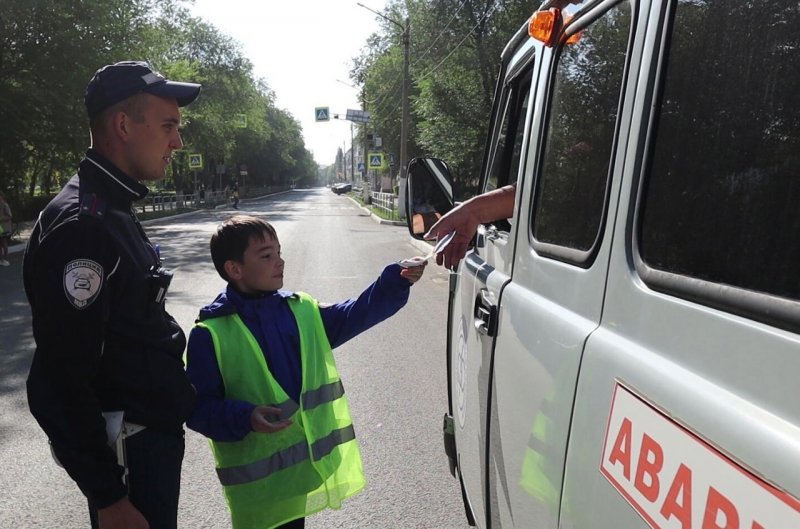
(375, 160)
(195, 161)
(322, 114)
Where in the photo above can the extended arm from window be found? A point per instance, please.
(465, 218)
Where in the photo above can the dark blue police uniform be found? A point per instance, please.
(104, 341)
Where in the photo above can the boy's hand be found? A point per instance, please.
(413, 273)
(266, 419)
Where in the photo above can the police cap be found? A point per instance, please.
(116, 82)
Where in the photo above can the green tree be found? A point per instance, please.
(49, 49)
(454, 56)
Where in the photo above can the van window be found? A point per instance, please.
(571, 192)
(723, 187)
(504, 167)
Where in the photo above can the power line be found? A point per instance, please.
(377, 107)
(432, 70)
(385, 96)
(446, 27)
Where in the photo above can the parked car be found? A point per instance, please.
(342, 187)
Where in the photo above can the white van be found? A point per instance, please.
(624, 351)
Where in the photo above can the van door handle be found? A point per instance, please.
(492, 233)
(485, 314)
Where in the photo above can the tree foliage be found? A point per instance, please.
(455, 47)
(49, 49)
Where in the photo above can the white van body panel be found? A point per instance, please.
(598, 401)
(471, 367)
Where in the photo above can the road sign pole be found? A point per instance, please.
(352, 154)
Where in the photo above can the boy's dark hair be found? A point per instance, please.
(232, 237)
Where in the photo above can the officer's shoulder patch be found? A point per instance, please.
(83, 279)
(93, 205)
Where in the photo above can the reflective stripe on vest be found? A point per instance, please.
(272, 478)
(323, 394)
(285, 458)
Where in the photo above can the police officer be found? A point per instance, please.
(104, 341)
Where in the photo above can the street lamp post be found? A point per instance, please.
(406, 74)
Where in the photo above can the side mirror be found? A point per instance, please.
(429, 195)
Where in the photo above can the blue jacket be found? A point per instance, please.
(272, 323)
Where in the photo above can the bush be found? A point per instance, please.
(25, 208)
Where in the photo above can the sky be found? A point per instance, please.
(304, 51)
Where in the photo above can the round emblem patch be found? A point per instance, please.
(83, 279)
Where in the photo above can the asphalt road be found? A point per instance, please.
(394, 373)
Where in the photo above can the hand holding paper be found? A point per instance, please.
(421, 260)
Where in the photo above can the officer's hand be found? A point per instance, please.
(266, 419)
(121, 515)
(413, 273)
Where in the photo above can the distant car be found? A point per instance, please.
(341, 188)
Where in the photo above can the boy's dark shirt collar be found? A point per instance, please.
(240, 299)
(119, 185)
(231, 301)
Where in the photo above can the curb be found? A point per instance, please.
(376, 218)
(422, 246)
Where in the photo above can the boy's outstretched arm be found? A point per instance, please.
(379, 301)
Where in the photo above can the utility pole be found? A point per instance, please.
(405, 120)
(344, 161)
(352, 156)
(365, 174)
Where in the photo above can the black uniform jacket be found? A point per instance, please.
(103, 338)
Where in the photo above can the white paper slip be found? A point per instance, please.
(420, 260)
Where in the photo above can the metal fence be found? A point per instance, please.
(156, 202)
(201, 199)
(386, 202)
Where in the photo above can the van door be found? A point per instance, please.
(481, 277)
(554, 298)
(687, 408)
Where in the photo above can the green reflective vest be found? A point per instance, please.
(271, 479)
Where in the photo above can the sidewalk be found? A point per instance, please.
(422, 246)
(18, 243)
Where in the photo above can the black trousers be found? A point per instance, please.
(154, 477)
(300, 523)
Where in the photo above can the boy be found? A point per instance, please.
(261, 361)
